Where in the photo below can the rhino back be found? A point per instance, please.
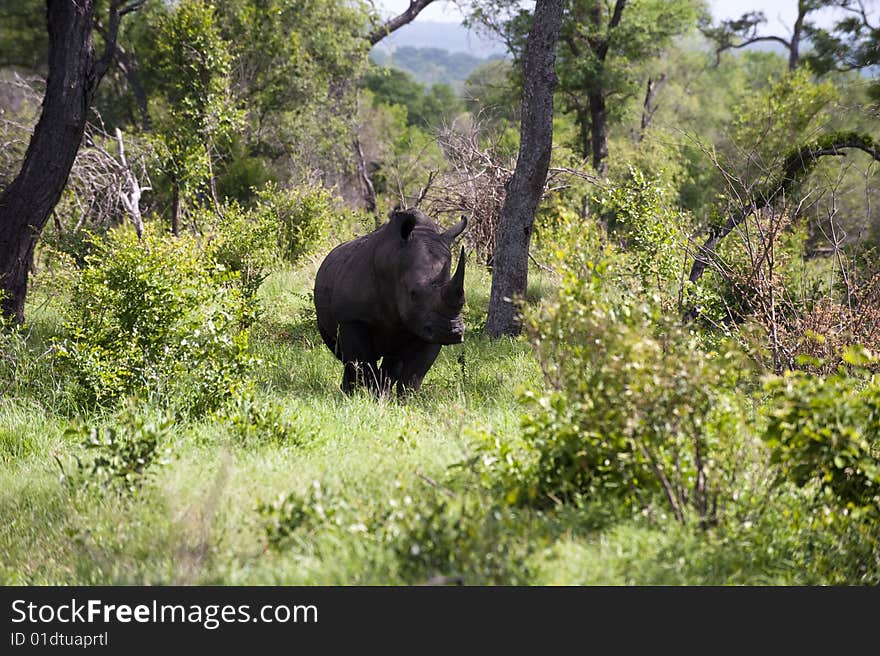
(346, 288)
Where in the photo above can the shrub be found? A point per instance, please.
(455, 540)
(282, 225)
(124, 453)
(824, 430)
(302, 217)
(429, 537)
(637, 408)
(251, 419)
(243, 242)
(155, 316)
(640, 215)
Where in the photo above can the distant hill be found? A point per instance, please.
(446, 36)
(431, 65)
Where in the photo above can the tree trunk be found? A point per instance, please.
(129, 70)
(599, 132)
(794, 48)
(369, 191)
(583, 123)
(28, 201)
(511, 257)
(650, 104)
(175, 210)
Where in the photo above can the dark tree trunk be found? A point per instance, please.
(583, 122)
(511, 258)
(175, 210)
(596, 97)
(599, 132)
(794, 55)
(650, 104)
(28, 201)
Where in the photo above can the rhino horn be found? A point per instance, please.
(455, 230)
(453, 291)
(457, 281)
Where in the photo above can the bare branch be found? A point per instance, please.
(794, 168)
(408, 16)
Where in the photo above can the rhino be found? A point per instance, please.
(389, 296)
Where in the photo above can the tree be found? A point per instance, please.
(852, 43)
(511, 261)
(793, 170)
(75, 70)
(490, 92)
(23, 39)
(424, 107)
(193, 62)
(600, 48)
(405, 17)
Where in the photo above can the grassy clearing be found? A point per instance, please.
(197, 521)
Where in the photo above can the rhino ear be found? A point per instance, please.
(404, 223)
(455, 230)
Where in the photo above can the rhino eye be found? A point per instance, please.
(413, 295)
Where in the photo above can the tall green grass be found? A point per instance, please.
(197, 521)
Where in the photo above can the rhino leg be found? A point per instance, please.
(406, 370)
(354, 346)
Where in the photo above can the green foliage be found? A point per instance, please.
(285, 519)
(456, 540)
(281, 225)
(824, 430)
(432, 537)
(243, 243)
(425, 108)
(293, 61)
(399, 156)
(491, 94)
(23, 38)
(639, 213)
(193, 65)
(596, 57)
(430, 66)
(290, 52)
(852, 43)
(242, 173)
(251, 419)
(123, 453)
(155, 316)
(770, 121)
(638, 409)
(303, 217)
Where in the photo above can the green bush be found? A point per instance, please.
(428, 536)
(638, 410)
(302, 216)
(251, 419)
(281, 225)
(243, 242)
(156, 316)
(455, 540)
(124, 453)
(639, 214)
(826, 430)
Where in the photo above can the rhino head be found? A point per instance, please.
(429, 299)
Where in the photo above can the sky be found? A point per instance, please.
(780, 13)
